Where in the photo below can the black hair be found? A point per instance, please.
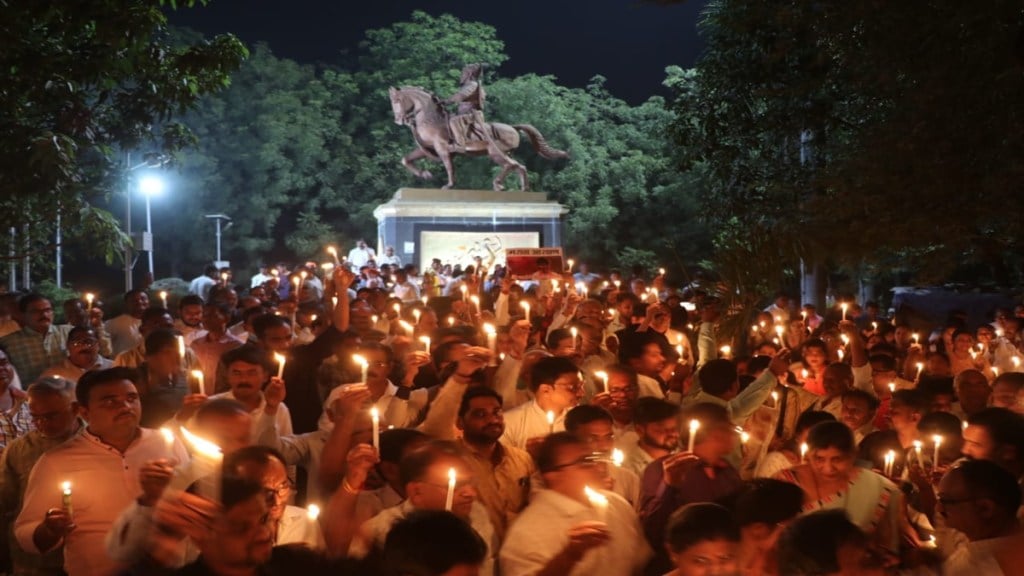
(696, 523)
(709, 415)
(626, 371)
(985, 479)
(128, 295)
(190, 300)
(159, 340)
(475, 392)
(810, 544)
(858, 394)
(633, 345)
(259, 455)
(767, 501)
(912, 398)
(1005, 427)
(942, 423)
(557, 336)
(235, 490)
(394, 441)
(885, 362)
(717, 376)
(414, 464)
(219, 407)
(831, 435)
(265, 322)
(585, 414)
(80, 330)
(248, 354)
(933, 386)
(27, 299)
(95, 378)
(548, 369)
(810, 418)
(430, 543)
(154, 313)
(758, 363)
(649, 409)
(547, 453)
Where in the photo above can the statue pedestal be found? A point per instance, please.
(458, 225)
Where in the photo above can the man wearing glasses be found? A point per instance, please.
(568, 529)
(556, 387)
(101, 467)
(54, 413)
(83, 356)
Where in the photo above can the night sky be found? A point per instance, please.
(627, 41)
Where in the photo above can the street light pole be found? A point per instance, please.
(128, 225)
(217, 218)
(149, 232)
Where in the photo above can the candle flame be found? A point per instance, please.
(595, 497)
(375, 414)
(359, 359)
(167, 434)
(694, 425)
(278, 358)
(618, 457)
(199, 444)
(65, 486)
(551, 417)
(313, 512)
(406, 326)
(489, 329)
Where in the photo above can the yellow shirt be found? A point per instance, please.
(503, 484)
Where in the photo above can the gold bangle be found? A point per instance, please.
(348, 487)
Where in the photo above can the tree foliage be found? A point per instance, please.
(298, 155)
(885, 132)
(83, 82)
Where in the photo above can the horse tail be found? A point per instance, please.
(540, 144)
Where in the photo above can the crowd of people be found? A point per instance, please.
(362, 417)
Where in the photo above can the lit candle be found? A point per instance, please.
(425, 299)
(618, 457)
(841, 354)
(476, 302)
(582, 289)
(661, 271)
(780, 330)
(598, 501)
(375, 418)
(298, 284)
(916, 337)
(844, 306)
(920, 368)
(617, 283)
(407, 327)
(775, 399)
(224, 278)
(604, 378)
(313, 512)
(803, 451)
(575, 334)
(280, 364)
(679, 351)
(694, 425)
(163, 297)
(526, 309)
(334, 254)
(725, 350)
(571, 264)
(492, 338)
(426, 343)
(334, 301)
(397, 307)
(375, 318)
(874, 326)
(917, 450)
(451, 490)
(363, 364)
(416, 316)
(181, 347)
(197, 377)
(207, 463)
(1016, 361)
(804, 374)
(65, 500)
(744, 435)
(995, 371)
(892, 387)
(551, 422)
(845, 339)
(89, 297)
(935, 457)
(451, 320)
(465, 292)
(168, 440)
(890, 459)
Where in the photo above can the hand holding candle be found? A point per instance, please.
(197, 378)
(65, 500)
(363, 364)
(426, 343)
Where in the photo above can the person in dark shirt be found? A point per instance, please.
(703, 475)
(162, 379)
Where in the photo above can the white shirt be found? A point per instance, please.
(529, 421)
(648, 387)
(259, 279)
(393, 411)
(637, 459)
(506, 380)
(369, 503)
(541, 532)
(283, 417)
(71, 372)
(975, 558)
(200, 286)
(104, 483)
(406, 292)
(625, 483)
(124, 333)
(392, 260)
(374, 532)
(358, 257)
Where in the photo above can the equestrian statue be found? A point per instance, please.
(439, 135)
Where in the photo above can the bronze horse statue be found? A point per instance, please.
(424, 114)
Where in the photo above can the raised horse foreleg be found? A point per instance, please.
(418, 154)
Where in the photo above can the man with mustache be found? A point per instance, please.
(246, 375)
(102, 466)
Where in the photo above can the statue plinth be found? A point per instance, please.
(455, 225)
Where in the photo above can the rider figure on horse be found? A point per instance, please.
(468, 124)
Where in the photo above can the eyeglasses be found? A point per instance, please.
(282, 490)
(83, 343)
(953, 501)
(588, 461)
